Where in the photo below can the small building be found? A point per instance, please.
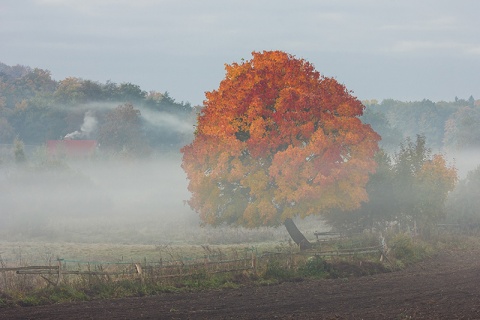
(73, 149)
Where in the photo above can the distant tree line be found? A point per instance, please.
(445, 125)
(35, 108)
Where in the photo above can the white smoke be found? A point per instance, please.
(88, 126)
(168, 121)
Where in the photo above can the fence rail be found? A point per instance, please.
(350, 252)
(29, 268)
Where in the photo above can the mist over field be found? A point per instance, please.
(128, 201)
(123, 201)
(81, 191)
(108, 201)
(464, 160)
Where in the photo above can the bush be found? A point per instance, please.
(407, 250)
(314, 267)
(278, 272)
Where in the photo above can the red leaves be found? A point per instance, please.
(278, 140)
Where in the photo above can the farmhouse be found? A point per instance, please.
(73, 149)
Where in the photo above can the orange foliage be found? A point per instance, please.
(277, 140)
(437, 178)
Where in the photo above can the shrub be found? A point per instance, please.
(407, 250)
(276, 271)
(314, 267)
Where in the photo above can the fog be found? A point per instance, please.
(464, 160)
(153, 118)
(168, 121)
(123, 200)
(108, 201)
(40, 201)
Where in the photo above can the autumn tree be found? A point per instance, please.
(69, 91)
(121, 132)
(435, 179)
(422, 184)
(275, 141)
(38, 80)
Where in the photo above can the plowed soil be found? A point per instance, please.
(446, 286)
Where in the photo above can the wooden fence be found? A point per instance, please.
(154, 270)
(161, 269)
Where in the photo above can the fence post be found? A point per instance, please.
(254, 262)
(384, 250)
(138, 266)
(160, 270)
(383, 246)
(59, 271)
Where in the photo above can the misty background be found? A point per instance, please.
(84, 161)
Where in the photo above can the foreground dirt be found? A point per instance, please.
(446, 286)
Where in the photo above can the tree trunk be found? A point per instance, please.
(297, 235)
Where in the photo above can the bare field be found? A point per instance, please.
(442, 287)
(31, 253)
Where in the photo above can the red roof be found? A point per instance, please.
(71, 148)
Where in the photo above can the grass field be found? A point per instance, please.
(103, 239)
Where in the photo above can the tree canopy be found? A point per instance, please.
(278, 140)
(122, 131)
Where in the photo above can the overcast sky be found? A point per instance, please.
(405, 50)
